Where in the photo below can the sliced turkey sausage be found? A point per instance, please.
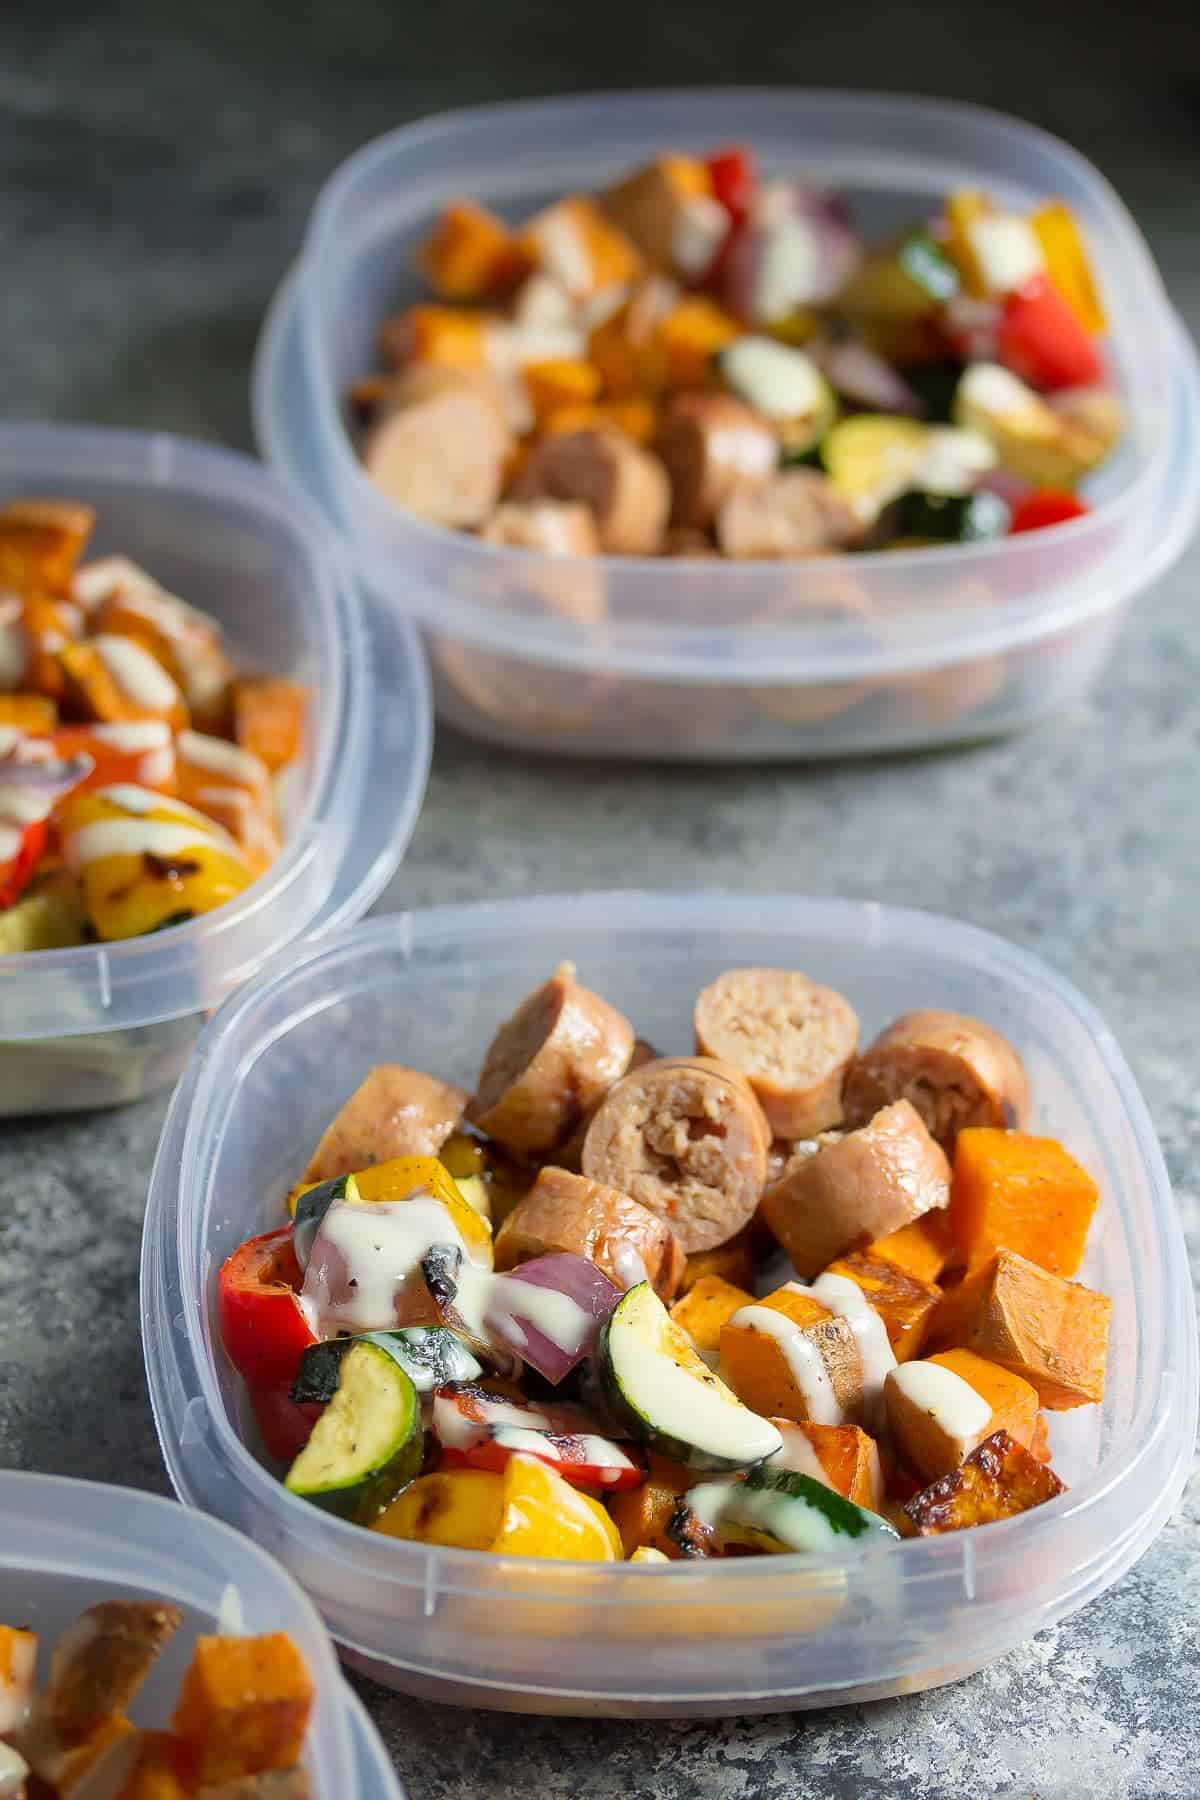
(686, 1137)
(626, 488)
(395, 1112)
(712, 445)
(794, 513)
(442, 456)
(555, 527)
(570, 1156)
(867, 1184)
(549, 1065)
(568, 1212)
(792, 1039)
(955, 1070)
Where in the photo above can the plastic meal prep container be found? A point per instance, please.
(66, 1545)
(429, 989)
(102, 1024)
(707, 658)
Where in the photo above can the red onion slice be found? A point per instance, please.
(554, 1324)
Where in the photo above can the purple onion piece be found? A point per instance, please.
(49, 775)
(865, 379)
(594, 1296)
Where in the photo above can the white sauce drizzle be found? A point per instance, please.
(157, 768)
(798, 1453)
(136, 673)
(363, 1254)
(132, 837)
(493, 1306)
(846, 1300)
(952, 1403)
(10, 842)
(133, 735)
(108, 575)
(628, 1266)
(239, 766)
(14, 1771)
(804, 1360)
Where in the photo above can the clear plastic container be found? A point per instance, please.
(708, 659)
(65, 1545)
(782, 1632)
(104, 1024)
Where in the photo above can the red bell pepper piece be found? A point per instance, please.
(1041, 339)
(1046, 506)
(479, 1430)
(284, 1424)
(733, 177)
(18, 870)
(263, 1326)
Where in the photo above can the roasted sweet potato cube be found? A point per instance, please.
(1052, 1332)
(268, 718)
(789, 1358)
(940, 1408)
(18, 1666)
(842, 1455)
(471, 255)
(1017, 1192)
(243, 1707)
(101, 1661)
(999, 1479)
(922, 1249)
(733, 1262)
(706, 1306)
(100, 1764)
(32, 713)
(904, 1303)
(642, 1515)
(161, 1770)
(273, 1784)
(41, 541)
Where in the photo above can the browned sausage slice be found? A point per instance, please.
(395, 1112)
(625, 487)
(955, 1070)
(713, 445)
(795, 513)
(869, 1183)
(555, 527)
(570, 1154)
(441, 456)
(549, 1065)
(687, 1138)
(568, 1212)
(792, 1039)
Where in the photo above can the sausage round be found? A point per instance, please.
(792, 1039)
(795, 513)
(570, 1155)
(712, 445)
(955, 1070)
(549, 1065)
(568, 1212)
(686, 1137)
(555, 527)
(441, 456)
(395, 1112)
(866, 1185)
(626, 488)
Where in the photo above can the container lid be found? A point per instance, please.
(66, 1544)
(234, 540)
(826, 619)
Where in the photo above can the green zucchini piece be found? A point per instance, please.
(368, 1443)
(1031, 438)
(907, 281)
(312, 1207)
(935, 385)
(953, 518)
(785, 386)
(778, 1509)
(872, 458)
(663, 1393)
(429, 1355)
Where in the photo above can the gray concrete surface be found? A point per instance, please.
(156, 166)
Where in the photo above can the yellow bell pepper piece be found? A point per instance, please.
(144, 860)
(962, 210)
(690, 336)
(404, 1176)
(646, 1553)
(543, 1515)
(461, 1509)
(558, 383)
(1056, 230)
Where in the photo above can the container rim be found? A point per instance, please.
(648, 648)
(181, 1368)
(231, 936)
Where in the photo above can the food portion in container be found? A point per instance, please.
(703, 361)
(140, 770)
(237, 1731)
(778, 1292)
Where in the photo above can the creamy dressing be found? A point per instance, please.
(1007, 250)
(14, 1771)
(108, 575)
(239, 766)
(10, 737)
(698, 232)
(10, 840)
(704, 1413)
(131, 837)
(628, 1266)
(133, 735)
(364, 1253)
(231, 1614)
(157, 768)
(781, 1516)
(492, 1306)
(997, 392)
(953, 460)
(798, 1454)
(950, 1402)
(805, 1363)
(846, 1300)
(136, 673)
(789, 268)
(564, 254)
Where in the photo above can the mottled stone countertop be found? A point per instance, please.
(154, 180)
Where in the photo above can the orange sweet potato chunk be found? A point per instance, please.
(904, 1303)
(642, 1515)
(268, 718)
(1012, 1191)
(159, 1774)
(733, 1262)
(243, 1707)
(1013, 1401)
(999, 1479)
(762, 1371)
(32, 713)
(40, 542)
(706, 1306)
(1052, 1332)
(922, 1249)
(848, 1456)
